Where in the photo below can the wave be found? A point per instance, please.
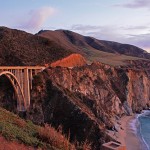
(133, 126)
(140, 132)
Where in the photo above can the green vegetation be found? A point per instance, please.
(14, 128)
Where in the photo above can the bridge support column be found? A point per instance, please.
(30, 78)
(26, 87)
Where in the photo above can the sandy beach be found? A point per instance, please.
(127, 133)
(131, 139)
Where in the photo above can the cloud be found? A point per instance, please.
(115, 33)
(136, 28)
(136, 4)
(85, 27)
(100, 32)
(141, 40)
(36, 18)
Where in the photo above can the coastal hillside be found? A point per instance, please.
(21, 48)
(89, 100)
(91, 48)
(16, 133)
(81, 95)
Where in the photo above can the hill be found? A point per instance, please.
(20, 134)
(93, 49)
(21, 48)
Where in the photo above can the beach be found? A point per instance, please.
(132, 139)
(127, 133)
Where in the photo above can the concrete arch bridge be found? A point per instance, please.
(21, 78)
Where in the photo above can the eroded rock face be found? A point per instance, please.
(138, 90)
(84, 100)
(58, 106)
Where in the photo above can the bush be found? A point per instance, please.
(55, 138)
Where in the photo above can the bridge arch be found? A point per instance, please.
(21, 103)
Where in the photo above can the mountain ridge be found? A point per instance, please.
(21, 48)
(78, 42)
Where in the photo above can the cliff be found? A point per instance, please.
(85, 100)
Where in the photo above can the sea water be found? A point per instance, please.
(144, 128)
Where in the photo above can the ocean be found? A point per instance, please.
(140, 127)
(144, 128)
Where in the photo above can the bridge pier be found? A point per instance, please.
(26, 87)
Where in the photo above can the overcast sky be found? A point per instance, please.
(125, 21)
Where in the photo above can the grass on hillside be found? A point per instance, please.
(14, 128)
(107, 58)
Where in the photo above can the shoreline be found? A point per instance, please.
(133, 139)
(146, 147)
(128, 133)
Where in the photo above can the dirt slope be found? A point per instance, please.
(70, 61)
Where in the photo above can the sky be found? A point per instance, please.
(125, 21)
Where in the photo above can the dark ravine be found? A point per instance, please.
(7, 98)
(84, 100)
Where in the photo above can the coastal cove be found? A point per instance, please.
(133, 131)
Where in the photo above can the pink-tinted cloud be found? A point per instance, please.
(36, 18)
(136, 4)
(141, 40)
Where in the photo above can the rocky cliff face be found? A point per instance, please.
(138, 94)
(84, 100)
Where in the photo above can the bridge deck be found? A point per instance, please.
(22, 67)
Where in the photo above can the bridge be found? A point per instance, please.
(21, 79)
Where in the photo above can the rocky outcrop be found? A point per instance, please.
(72, 60)
(84, 100)
(53, 104)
